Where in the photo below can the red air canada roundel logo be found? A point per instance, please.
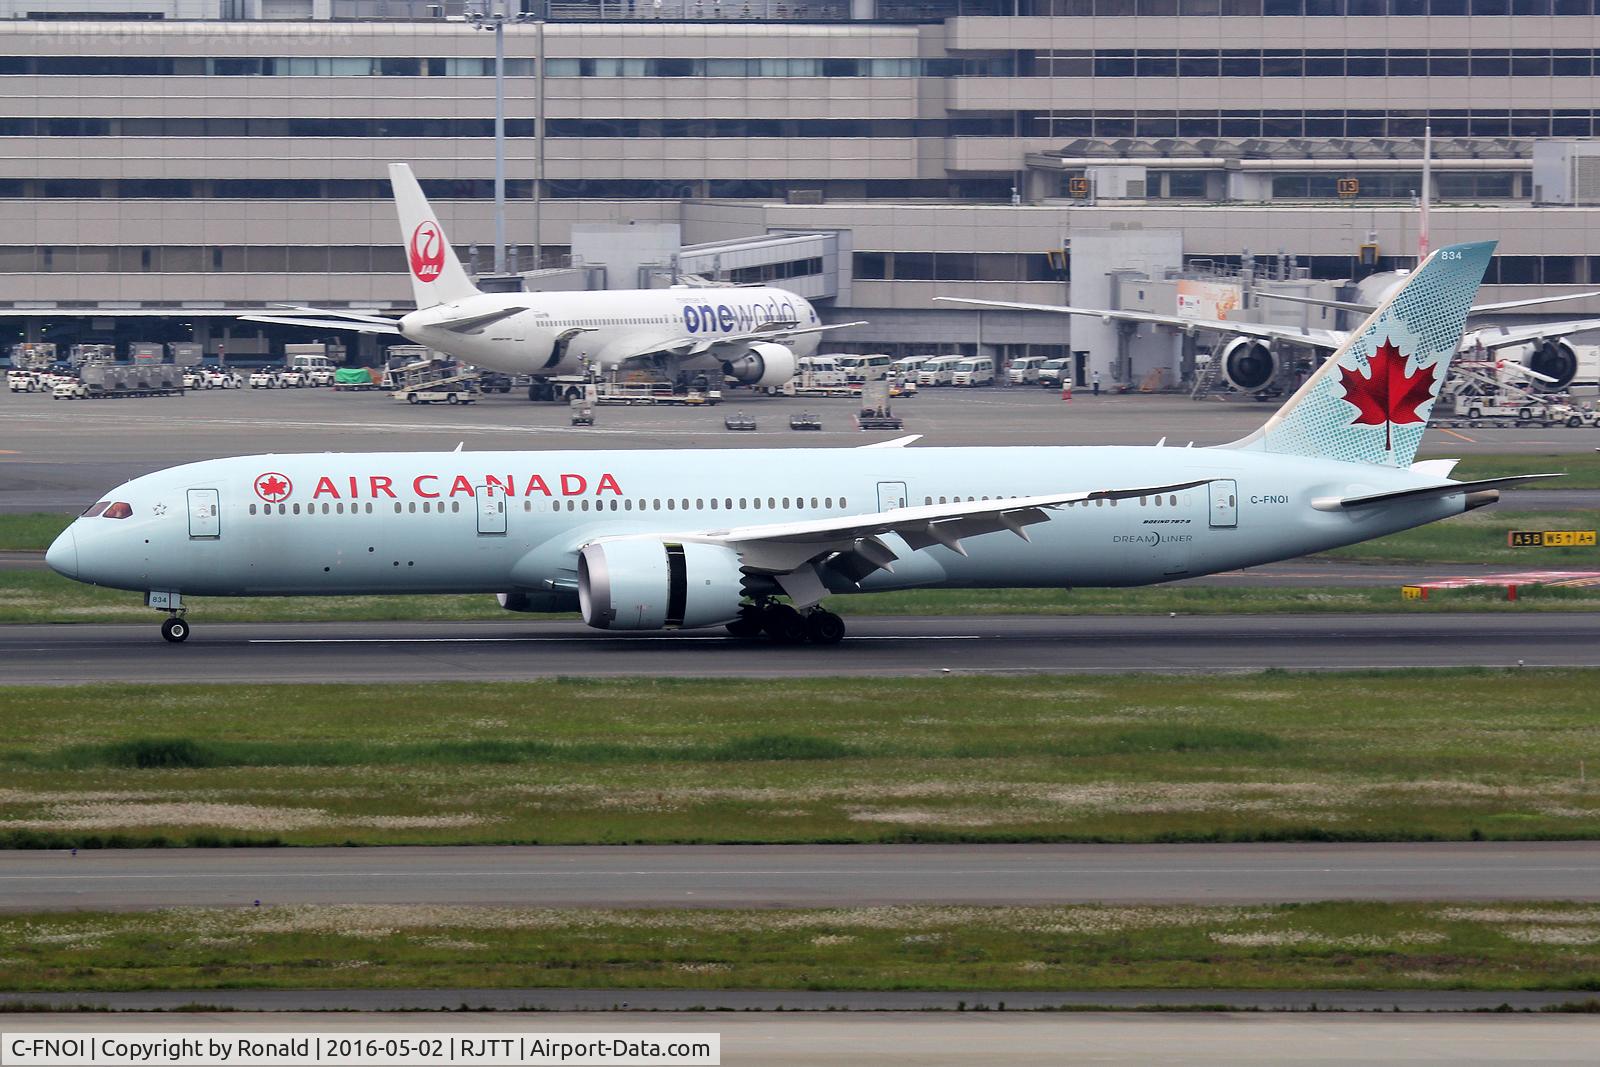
(427, 251)
(273, 487)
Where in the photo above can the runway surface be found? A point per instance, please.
(952, 1039)
(891, 645)
(770, 876)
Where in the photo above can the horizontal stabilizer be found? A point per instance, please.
(474, 323)
(353, 325)
(1335, 503)
(896, 442)
(336, 313)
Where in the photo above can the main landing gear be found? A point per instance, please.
(783, 625)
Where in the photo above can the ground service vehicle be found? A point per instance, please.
(937, 371)
(869, 368)
(651, 540)
(1052, 371)
(970, 372)
(1025, 370)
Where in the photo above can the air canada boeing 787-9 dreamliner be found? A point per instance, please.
(754, 540)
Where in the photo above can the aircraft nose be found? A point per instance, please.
(62, 556)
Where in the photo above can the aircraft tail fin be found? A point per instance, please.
(1370, 402)
(436, 274)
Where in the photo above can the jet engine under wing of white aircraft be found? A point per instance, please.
(1247, 363)
(765, 364)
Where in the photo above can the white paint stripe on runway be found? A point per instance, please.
(549, 640)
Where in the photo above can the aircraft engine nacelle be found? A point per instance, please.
(658, 585)
(1554, 359)
(1248, 365)
(765, 366)
(550, 602)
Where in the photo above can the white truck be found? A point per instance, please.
(978, 370)
(1051, 372)
(317, 371)
(281, 378)
(210, 378)
(1025, 370)
(938, 371)
(868, 368)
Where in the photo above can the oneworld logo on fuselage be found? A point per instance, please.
(742, 317)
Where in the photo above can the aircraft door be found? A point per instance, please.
(491, 511)
(205, 515)
(1224, 502)
(891, 495)
(558, 350)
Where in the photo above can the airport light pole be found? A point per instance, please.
(495, 19)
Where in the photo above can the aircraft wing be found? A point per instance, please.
(354, 325)
(1541, 331)
(1475, 309)
(784, 547)
(1329, 339)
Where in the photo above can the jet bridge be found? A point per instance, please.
(812, 265)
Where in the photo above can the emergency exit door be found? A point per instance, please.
(1224, 502)
(891, 495)
(491, 510)
(205, 517)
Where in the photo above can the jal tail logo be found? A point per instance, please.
(427, 251)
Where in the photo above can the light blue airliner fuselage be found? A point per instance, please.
(662, 540)
(412, 522)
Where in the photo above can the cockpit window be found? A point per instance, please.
(118, 510)
(95, 509)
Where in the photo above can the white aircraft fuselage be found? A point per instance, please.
(549, 334)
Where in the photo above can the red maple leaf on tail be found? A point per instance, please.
(1387, 396)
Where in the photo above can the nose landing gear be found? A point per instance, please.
(783, 625)
(175, 628)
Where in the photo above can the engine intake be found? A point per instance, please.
(658, 585)
(765, 366)
(1553, 359)
(1248, 365)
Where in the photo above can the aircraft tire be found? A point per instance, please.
(783, 624)
(175, 630)
(748, 625)
(824, 628)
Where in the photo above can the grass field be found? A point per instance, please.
(1316, 946)
(1480, 537)
(1394, 755)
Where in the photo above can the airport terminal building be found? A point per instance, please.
(170, 164)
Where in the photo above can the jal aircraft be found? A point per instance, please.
(754, 334)
(754, 540)
(1248, 360)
